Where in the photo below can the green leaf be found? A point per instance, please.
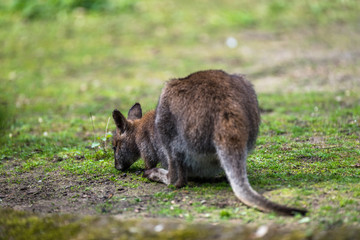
(304, 220)
(95, 144)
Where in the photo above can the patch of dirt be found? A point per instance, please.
(53, 192)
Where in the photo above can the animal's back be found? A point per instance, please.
(208, 121)
(207, 105)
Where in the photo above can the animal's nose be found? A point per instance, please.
(118, 167)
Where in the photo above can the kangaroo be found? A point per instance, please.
(203, 124)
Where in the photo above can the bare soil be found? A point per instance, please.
(53, 192)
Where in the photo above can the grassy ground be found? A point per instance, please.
(57, 71)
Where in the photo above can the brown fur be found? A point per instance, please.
(203, 123)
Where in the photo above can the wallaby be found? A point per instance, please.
(203, 124)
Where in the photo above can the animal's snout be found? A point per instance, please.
(118, 167)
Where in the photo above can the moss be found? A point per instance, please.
(22, 225)
(225, 214)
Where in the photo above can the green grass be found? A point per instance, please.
(58, 70)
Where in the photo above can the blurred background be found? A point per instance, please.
(62, 59)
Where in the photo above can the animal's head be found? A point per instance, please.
(126, 151)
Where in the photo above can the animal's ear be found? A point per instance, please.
(120, 120)
(135, 112)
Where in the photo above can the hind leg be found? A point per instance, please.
(168, 135)
(177, 174)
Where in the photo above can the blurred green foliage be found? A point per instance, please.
(6, 114)
(38, 9)
(242, 13)
(3, 115)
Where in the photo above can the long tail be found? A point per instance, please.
(234, 165)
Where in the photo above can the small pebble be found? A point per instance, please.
(159, 228)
